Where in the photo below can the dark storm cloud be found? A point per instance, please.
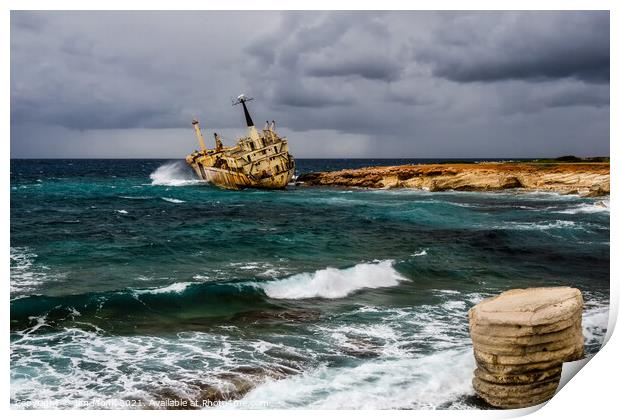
(315, 61)
(398, 83)
(370, 67)
(534, 45)
(300, 94)
(28, 21)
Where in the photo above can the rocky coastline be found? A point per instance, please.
(585, 179)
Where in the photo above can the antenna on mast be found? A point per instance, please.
(242, 99)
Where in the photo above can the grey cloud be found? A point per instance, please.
(399, 83)
(591, 97)
(300, 95)
(119, 70)
(32, 21)
(367, 67)
(528, 45)
(573, 94)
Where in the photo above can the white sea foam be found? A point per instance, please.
(420, 383)
(600, 206)
(557, 224)
(110, 369)
(172, 200)
(172, 288)
(133, 197)
(21, 276)
(376, 339)
(334, 283)
(263, 270)
(542, 195)
(419, 253)
(397, 376)
(25, 275)
(420, 358)
(174, 174)
(448, 292)
(401, 332)
(594, 322)
(270, 273)
(246, 266)
(476, 298)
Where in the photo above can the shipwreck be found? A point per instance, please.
(259, 160)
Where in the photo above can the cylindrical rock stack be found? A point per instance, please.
(521, 338)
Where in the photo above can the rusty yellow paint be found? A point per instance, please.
(260, 160)
(201, 139)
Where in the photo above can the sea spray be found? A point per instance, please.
(173, 174)
(332, 283)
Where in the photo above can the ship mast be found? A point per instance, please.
(242, 99)
(201, 139)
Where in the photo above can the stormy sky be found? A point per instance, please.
(339, 84)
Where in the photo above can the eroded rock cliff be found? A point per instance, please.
(588, 179)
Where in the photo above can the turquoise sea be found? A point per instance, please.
(135, 285)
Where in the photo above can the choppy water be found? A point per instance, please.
(132, 283)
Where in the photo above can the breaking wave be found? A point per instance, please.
(328, 283)
(416, 357)
(333, 283)
(427, 382)
(173, 174)
(397, 377)
(172, 200)
(173, 288)
(600, 206)
(547, 225)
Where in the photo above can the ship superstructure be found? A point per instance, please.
(259, 160)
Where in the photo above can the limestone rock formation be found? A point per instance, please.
(587, 179)
(521, 338)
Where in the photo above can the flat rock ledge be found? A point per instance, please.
(586, 179)
(521, 338)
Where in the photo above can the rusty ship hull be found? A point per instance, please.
(233, 180)
(259, 160)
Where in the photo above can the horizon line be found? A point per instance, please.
(313, 158)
